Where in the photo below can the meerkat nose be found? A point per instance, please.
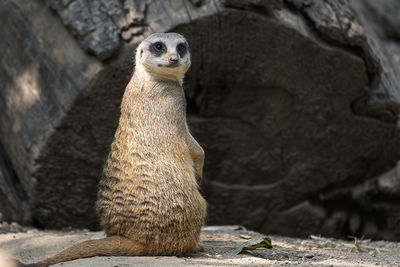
(173, 60)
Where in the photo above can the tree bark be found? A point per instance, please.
(42, 71)
(295, 102)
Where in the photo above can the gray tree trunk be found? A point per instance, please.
(295, 102)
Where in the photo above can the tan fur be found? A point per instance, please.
(148, 198)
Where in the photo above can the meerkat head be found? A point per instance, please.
(164, 55)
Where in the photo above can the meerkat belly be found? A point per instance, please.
(150, 193)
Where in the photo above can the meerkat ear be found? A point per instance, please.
(141, 52)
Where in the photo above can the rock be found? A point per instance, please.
(308, 255)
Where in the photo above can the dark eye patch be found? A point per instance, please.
(158, 48)
(181, 48)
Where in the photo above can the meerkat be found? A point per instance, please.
(148, 199)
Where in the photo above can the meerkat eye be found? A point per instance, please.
(181, 49)
(158, 48)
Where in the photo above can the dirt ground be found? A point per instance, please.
(219, 242)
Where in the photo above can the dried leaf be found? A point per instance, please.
(253, 244)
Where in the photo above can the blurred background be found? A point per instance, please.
(296, 104)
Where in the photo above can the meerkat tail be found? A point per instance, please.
(109, 246)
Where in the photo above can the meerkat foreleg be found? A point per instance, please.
(197, 154)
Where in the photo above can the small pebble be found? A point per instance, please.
(308, 255)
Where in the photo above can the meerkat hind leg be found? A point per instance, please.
(109, 246)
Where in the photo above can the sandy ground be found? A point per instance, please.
(219, 242)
